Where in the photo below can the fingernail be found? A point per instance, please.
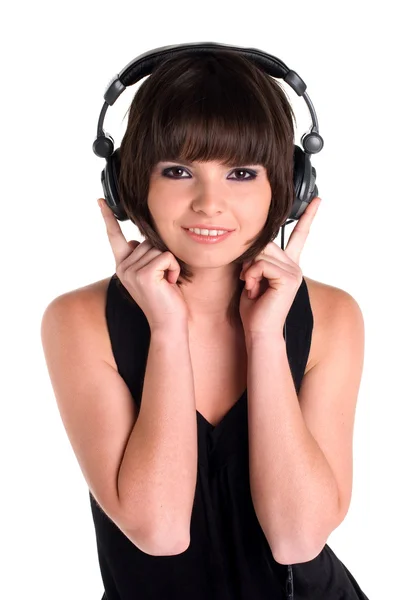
(99, 202)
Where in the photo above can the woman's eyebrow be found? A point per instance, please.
(190, 164)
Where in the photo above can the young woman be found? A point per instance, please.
(217, 451)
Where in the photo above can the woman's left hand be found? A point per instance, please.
(273, 279)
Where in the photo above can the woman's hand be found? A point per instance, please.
(273, 279)
(148, 274)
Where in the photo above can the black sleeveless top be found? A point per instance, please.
(229, 557)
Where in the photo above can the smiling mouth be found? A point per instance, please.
(207, 239)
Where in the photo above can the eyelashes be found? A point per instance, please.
(253, 174)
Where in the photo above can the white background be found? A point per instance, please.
(57, 59)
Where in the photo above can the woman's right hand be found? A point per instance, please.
(141, 270)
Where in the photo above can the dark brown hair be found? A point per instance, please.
(217, 106)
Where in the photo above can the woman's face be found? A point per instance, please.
(183, 195)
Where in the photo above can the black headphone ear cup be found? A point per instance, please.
(298, 171)
(304, 177)
(309, 190)
(111, 185)
(299, 167)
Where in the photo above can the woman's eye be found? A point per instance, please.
(253, 175)
(171, 169)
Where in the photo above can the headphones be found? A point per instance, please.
(304, 173)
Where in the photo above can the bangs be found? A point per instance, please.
(218, 123)
(201, 111)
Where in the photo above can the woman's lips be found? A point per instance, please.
(207, 239)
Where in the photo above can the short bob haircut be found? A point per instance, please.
(217, 106)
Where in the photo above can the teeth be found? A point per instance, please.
(211, 232)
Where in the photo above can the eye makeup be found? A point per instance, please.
(251, 173)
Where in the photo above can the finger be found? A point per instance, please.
(300, 233)
(269, 271)
(120, 247)
(273, 250)
(254, 292)
(258, 270)
(245, 266)
(133, 244)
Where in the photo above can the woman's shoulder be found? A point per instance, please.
(96, 289)
(90, 301)
(325, 297)
(326, 302)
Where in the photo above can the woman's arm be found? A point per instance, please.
(301, 446)
(158, 474)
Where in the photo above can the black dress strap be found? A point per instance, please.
(299, 328)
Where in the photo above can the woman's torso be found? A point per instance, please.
(229, 556)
